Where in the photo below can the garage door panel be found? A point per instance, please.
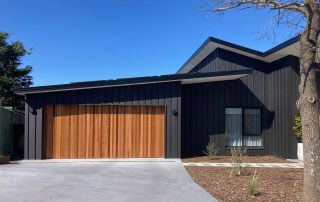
(128, 132)
(81, 146)
(103, 131)
(143, 128)
(48, 130)
(149, 137)
(97, 133)
(74, 129)
(135, 131)
(113, 132)
(57, 116)
(90, 131)
(120, 131)
(63, 119)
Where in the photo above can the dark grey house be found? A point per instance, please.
(224, 93)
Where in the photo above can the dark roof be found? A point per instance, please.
(127, 81)
(242, 48)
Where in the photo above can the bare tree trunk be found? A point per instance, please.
(309, 106)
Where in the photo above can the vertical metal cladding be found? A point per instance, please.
(167, 94)
(199, 107)
(272, 87)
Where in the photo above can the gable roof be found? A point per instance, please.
(289, 47)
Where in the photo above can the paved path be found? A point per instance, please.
(98, 180)
(252, 165)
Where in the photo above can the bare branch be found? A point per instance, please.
(272, 4)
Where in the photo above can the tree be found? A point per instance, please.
(307, 14)
(11, 74)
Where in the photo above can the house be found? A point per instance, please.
(224, 93)
(11, 132)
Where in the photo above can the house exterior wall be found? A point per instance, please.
(166, 94)
(200, 107)
(272, 87)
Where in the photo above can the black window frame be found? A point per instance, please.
(244, 134)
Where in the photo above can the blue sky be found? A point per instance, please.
(83, 40)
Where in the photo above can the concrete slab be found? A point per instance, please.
(104, 180)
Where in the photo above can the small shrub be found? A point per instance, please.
(297, 128)
(211, 150)
(252, 186)
(237, 155)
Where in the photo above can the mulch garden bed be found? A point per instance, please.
(227, 159)
(273, 184)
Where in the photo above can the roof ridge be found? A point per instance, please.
(260, 53)
(240, 48)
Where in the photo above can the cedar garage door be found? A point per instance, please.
(103, 131)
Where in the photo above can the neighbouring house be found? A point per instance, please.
(224, 93)
(11, 132)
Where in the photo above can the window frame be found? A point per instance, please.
(243, 133)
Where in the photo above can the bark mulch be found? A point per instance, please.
(273, 184)
(227, 159)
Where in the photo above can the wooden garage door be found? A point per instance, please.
(103, 131)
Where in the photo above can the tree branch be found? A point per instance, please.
(272, 4)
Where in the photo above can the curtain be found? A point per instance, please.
(252, 141)
(233, 126)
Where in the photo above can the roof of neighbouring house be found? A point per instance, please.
(289, 47)
(184, 78)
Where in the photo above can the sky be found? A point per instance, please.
(85, 40)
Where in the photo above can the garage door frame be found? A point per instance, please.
(163, 106)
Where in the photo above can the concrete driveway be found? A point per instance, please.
(99, 180)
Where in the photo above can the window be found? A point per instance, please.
(234, 126)
(243, 127)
